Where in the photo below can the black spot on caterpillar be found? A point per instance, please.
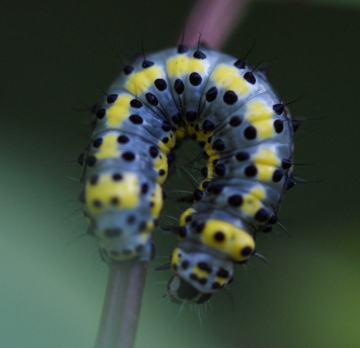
(247, 134)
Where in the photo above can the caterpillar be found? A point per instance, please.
(246, 133)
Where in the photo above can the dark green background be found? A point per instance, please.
(52, 281)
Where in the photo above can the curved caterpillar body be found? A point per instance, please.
(247, 136)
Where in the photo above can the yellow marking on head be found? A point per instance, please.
(252, 200)
(185, 214)
(259, 114)
(221, 281)
(199, 272)
(109, 147)
(100, 196)
(157, 200)
(230, 78)
(119, 111)
(181, 65)
(140, 81)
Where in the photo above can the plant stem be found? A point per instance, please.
(214, 20)
(121, 305)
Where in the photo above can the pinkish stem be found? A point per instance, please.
(214, 20)
(122, 304)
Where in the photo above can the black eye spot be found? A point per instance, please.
(218, 145)
(205, 184)
(250, 171)
(205, 266)
(230, 97)
(195, 79)
(166, 127)
(220, 169)
(179, 86)
(151, 99)
(277, 176)
(162, 172)
(279, 126)
(144, 188)
(154, 151)
(176, 119)
(235, 121)
(242, 156)
(246, 251)
(123, 139)
(137, 104)
(250, 133)
(160, 84)
(261, 215)
(115, 201)
(211, 94)
(222, 273)
(191, 116)
(136, 119)
(208, 126)
(185, 264)
(117, 177)
(128, 156)
(219, 236)
(235, 200)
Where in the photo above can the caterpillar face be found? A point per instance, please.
(247, 137)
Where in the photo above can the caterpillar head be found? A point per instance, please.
(180, 291)
(198, 273)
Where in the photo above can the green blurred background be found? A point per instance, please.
(52, 281)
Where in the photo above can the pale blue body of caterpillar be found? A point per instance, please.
(247, 135)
